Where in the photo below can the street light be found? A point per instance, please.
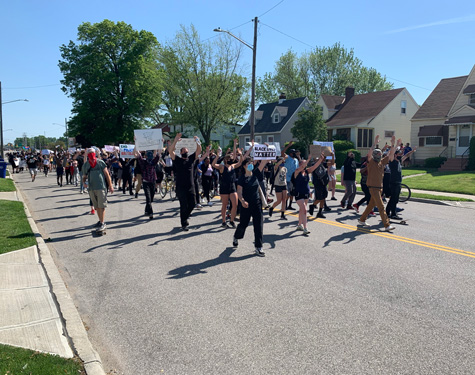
(1, 117)
(66, 127)
(253, 81)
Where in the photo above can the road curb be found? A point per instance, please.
(74, 327)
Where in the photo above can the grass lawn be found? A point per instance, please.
(6, 184)
(452, 182)
(15, 231)
(15, 360)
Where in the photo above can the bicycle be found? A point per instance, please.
(405, 194)
(168, 186)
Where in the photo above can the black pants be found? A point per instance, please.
(367, 195)
(393, 201)
(127, 179)
(68, 176)
(206, 181)
(187, 199)
(255, 211)
(149, 191)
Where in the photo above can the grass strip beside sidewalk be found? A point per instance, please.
(15, 231)
(6, 184)
(15, 360)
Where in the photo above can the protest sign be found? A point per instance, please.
(327, 148)
(126, 151)
(46, 152)
(148, 139)
(315, 151)
(72, 150)
(263, 152)
(189, 143)
(111, 148)
(277, 147)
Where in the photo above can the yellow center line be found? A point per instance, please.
(391, 236)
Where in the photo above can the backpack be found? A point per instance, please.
(322, 175)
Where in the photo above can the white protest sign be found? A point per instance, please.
(263, 152)
(148, 139)
(189, 143)
(277, 147)
(72, 150)
(46, 152)
(127, 151)
(110, 148)
(324, 149)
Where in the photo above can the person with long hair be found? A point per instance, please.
(320, 179)
(280, 185)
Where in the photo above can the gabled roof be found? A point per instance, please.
(362, 108)
(265, 125)
(439, 102)
(332, 101)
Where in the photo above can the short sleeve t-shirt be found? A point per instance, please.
(184, 172)
(291, 164)
(396, 172)
(95, 175)
(250, 186)
(375, 172)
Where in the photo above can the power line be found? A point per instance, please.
(287, 35)
(275, 6)
(407, 83)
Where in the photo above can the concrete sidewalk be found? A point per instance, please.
(36, 309)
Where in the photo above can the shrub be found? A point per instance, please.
(343, 145)
(434, 162)
(471, 157)
(340, 157)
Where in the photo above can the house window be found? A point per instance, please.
(247, 140)
(270, 139)
(403, 107)
(472, 99)
(388, 133)
(433, 141)
(258, 139)
(276, 118)
(365, 138)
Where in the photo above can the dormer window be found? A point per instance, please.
(471, 100)
(276, 118)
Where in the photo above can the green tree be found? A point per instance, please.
(309, 127)
(203, 85)
(113, 78)
(324, 70)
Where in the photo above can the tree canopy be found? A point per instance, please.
(203, 84)
(112, 75)
(324, 70)
(309, 127)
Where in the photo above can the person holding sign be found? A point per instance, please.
(320, 180)
(185, 190)
(250, 197)
(227, 186)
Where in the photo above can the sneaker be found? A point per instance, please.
(185, 229)
(102, 228)
(349, 207)
(224, 225)
(356, 207)
(283, 217)
(362, 224)
(93, 211)
(372, 214)
(97, 225)
(81, 192)
(399, 209)
(290, 208)
(210, 204)
(259, 252)
(395, 217)
(389, 229)
(327, 209)
(150, 216)
(232, 225)
(342, 204)
(306, 231)
(270, 211)
(270, 200)
(311, 209)
(299, 227)
(333, 199)
(136, 195)
(321, 216)
(198, 206)
(235, 242)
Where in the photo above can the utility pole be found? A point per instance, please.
(252, 121)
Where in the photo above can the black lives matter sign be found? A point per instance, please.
(263, 152)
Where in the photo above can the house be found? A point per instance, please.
(359, 118)
(273, 121)
(445, 123)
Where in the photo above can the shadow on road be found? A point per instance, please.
(196, 269)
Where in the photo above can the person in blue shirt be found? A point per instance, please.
(291, 164)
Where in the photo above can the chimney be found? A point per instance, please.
(282, 97)
(349, 93)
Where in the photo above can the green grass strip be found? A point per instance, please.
(450, 182)
(15, 360)
(15, 231)
(6, 184)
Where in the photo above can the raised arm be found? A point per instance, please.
(198, 147)
(206, 154)
(315, 166)
(234, 148)
(408, 154)
(370, 152)
(393, 148)
(171, 148)
(283, 152)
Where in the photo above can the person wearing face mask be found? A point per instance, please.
(375, 168)
(149, 176)
(95, 171)
(248, 192)
(184, 181)
(349, 178)
(291, 164)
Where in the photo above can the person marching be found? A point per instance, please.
(320, 180)
(376, 164)
(149, 176)
(248, 193)
(185, 190)
(280, 185)
(291, 164)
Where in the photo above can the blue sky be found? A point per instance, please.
(414, 43)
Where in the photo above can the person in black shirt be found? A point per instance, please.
(32, 163)
(185, 189)
(349, 178)
(248, 193)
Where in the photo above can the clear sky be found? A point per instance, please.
(414, 43)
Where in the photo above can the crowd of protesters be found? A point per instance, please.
(245, 185)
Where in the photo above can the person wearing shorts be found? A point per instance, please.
(280, 186)
(32, 167)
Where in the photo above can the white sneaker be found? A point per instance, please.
(299, 227)
(259, 252)
(389, 229)
(306, 231)
(210, 204)
(362, 224)
(198, 206)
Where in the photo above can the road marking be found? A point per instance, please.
(391, 236)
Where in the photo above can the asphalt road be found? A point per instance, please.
(340, 301)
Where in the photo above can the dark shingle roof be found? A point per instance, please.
(461, 120)
(470, 89)
(440, 101)
(332, 101)
(265, 125)
(362, 108)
